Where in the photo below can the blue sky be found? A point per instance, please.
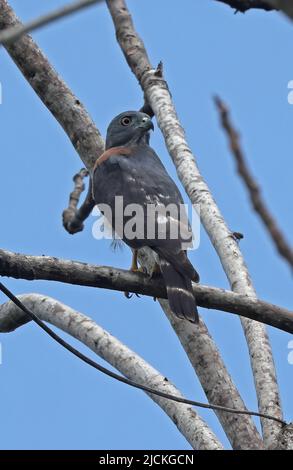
(53, 401)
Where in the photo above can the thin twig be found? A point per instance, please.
(73, 272)
(73, 217)
(13, 33)
(252, 187)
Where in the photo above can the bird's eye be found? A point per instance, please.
(125, 121)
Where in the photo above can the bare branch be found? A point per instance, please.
(73, 217)
(214, 377)
(158, 96)
(83, 328)
(254, 191)
(244, 5)
(13, 33)
(83, 274)
(216, 381)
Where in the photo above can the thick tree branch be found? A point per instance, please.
(48, 268)
(86, 139)
(254, 191)
(13, 33)
(158, 96)
(132, 366)
(214, 377)
(285, 438)
(244, 5)
(216, 381)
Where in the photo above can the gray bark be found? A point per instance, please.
(49, 268)
(214, 377)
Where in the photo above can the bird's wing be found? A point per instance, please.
(141, 178)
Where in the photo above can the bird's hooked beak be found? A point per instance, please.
(147, 124)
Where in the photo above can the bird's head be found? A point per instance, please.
(130, 127)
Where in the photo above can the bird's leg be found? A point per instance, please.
(134, 269)
(156, 271)
(134, 266)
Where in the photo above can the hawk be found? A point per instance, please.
(130, 172)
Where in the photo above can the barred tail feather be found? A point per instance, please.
(179, 290)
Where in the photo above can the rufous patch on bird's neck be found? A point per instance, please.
(123, 151)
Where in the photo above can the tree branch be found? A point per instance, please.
(252, 187)
(13, 33)
(83, 328)
(158, 96)
(216, 381)
(48, 268)
(214, 377)
(285, 438)
(73, 217)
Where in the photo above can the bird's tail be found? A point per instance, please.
(179, 290)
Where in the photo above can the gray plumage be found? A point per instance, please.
(130, 168)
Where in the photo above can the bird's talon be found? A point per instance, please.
(237, 236)
(138, 270)
(128, 295)
(156, 271)
(134, 266)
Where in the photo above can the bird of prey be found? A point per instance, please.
(129, 171)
